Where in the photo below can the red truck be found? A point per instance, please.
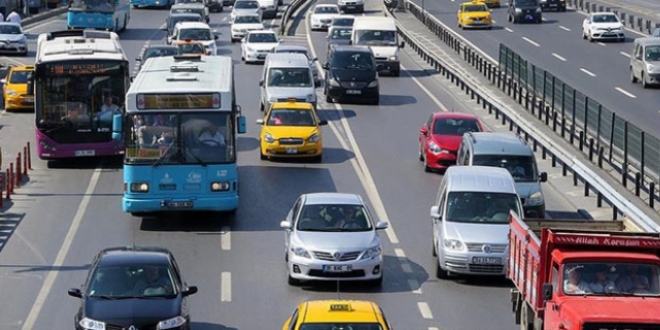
(583, 275)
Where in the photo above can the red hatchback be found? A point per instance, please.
(440, 137)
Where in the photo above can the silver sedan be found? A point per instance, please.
(331, 237)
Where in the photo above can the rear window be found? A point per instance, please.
(19, 77)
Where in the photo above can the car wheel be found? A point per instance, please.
(643, 79)
(427, 168)
(328, 98)
(318, 159)
(292, 281)
(633, 79)
(584, 35)
(434, 252)
(439, 272)
(377, 283)
(420, 154)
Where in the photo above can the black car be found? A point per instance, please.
(156, 51)
(558, 5)
(133, 288)
(170, 21)
(351, 74)
(525, 11)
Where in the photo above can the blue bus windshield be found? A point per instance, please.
(178, 139)
(106, 6)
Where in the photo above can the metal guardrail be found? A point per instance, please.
(497, 76)
(286, 15)
(631, 21)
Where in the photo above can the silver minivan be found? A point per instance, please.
(286, 76)
(471, 220)
(510, 151)
(645, 61)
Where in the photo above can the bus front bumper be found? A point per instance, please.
(216, 203)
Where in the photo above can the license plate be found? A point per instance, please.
(486, 261)
(85, 153)
(30, 101)
(354, 91)
(350, 7)
(179, 205)
(261, 56)
(337, 268)
(291, 150)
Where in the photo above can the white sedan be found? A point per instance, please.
(257, 44)
(245, 23)
(322, 16)
(603, 26)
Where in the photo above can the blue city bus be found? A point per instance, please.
(180, 134)
(108, 15)
(152, 3)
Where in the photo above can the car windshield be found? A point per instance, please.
(10, 29)
(195, 34)
(352, 60)
(262, 38)
(247, 20)
(455, 126)
(190, 48)
(344, 21)
(289, 77)
(341, 34)
(160, 52)
(475, 8)
(175, 20)
(611, 278)
(291, 117)
(132, 281)
(326, 10)
(19, 77)
(105, 6)
(293, 51)
(341, 326)
(605, 19)
(481, 207)
(199, 11)
(333, 217)
(246, 5)
(652, 53)
(522, 168)
(376, 37)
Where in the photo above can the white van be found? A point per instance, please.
(471, 220)
(286, 76)
(380, 34)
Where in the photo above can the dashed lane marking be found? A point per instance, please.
(588, 72)
(602, 44)
(625, 54)
(564, 28)
(531, 41)
(559, 57)
(399, 253)
(225, 239)
(626, 93)
(506, 28)
(425, 310)
(225, 286)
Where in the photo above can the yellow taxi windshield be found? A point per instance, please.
(474, 8)
(291, 117)
(335, 326)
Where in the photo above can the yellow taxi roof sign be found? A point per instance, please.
(291, 100)
(340, 307)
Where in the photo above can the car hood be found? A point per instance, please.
(245, 10)
(303, 132)
(20, 89)
(345, 75)
(262, 45)
(479, 233)
(287, 92)
(447, 142)
(337, 241)
(248, 26)
(324, 16)
(384, 51)
(526, 189)
(607, 25)
(127, 312)
(12, 37)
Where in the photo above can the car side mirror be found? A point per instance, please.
(285, 224)
(3, 81)
(241, 124)
(382, 225)
(259, 121)
(350, 42)
(317, 83)
(435, 212)
(325, 66)
(547, 291)
(75, 292)
(402, 45)
(261, 82)
(544, 177)
(164, 28)
(138, 59)
(315, 59)
(323, 122)
(117, 126)
(215, 37)
(424, 131)
(191, 290)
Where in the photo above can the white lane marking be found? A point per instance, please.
(602, 44)
(543, 19)
(625, 54)
(559, 57)
(399, 253)
(494, 22)
(564, 28)
(225, 286)
(425, 310)
(224, 18)
(414, 286)
(506, 28)
(587, 72)
(433, 328)
(358, 162)
(626, 93)
(426, 90)
(225, 238)
(531, 41)
(47, 286)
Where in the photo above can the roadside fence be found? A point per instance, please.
(16, 174)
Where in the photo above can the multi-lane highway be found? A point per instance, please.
(57, 222)
(599, 70)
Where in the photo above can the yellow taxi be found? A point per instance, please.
(474, 15)
(191, 47)
(337, 314)
(15, 88)
(291, 129)
(490, 3)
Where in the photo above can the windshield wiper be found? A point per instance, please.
(107, 297)
(164, 156)
(185, 146)
(161, 296)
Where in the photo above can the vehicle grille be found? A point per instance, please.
(320, 273)
(118, 327)
(291, 141)
(478, 247)
(326, 21)
(348, 256)
(381, 59)
(486, 269)
(354, 84)
(620, 326)
(286, 99)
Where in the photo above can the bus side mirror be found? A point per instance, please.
(547, 291)
(30, 84)
(544, 177)
(241, 124)
(402, 45)
(117, 126)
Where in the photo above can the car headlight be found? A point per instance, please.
(334, 82)
(171, 323)
(269, 138)
(518, 10)
(300, 252)
(373, 84)
(434, 148)
(650, 67)
(538, 10)
(535, 199)
(11, 92)
(219, 186)
(373, 252)
(393, 58)
(89, 324)
(310, 98)
(140, 187)
(314, 138)
(453, 244)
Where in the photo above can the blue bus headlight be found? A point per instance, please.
(140, 187)
(219, 186)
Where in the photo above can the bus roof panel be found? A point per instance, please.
(160, 75)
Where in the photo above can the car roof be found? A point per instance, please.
(454, 115)
(160, 47)
(287, 60)
(351, 48)
(332, 198)
(356, 311)
(262, 31)
(22, 68)
(648, 41)
(10, 23)
(487, 179)
(130, 255)
(245, 13)
(326, 5)
(193, 25)
(184, 15)
(188, 4)
(499, 143)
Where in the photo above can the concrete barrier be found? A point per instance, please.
(31, 20)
